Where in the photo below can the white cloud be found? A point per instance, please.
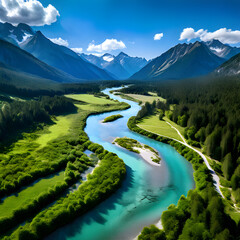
(77, 50)
(60, 41)
(158, 36)
(31, 12)
(224, 35)
(107, 45)
(189, 33)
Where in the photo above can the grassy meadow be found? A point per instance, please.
(153, 124)
(19, 199)
(144, 98)
(41, 156)
(91, 99)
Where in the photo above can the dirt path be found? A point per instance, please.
(216, 179)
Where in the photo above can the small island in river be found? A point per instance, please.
(112, 118)
(146, 152)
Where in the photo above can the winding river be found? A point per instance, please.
(146, 192)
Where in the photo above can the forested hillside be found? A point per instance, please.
(210, 111)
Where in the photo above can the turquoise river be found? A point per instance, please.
(146, 192)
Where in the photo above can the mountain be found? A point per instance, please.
(16, 59)
(181, 61)
(25, 80)
(131, 64)
(101, 61)
(15, 34)
(230, 67)
(222, 50)
(62, 58)
(122, 66)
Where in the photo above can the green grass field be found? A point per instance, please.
(16, 201)
(145, 98)
(34, 144)
(178, 127)
(60, 128)
(153, 124)
(88, 98)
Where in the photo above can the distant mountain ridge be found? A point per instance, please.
(122, 66)
(222, 50)
(181, 61)
(58, 63)
(63, 58)
(18, 60)
(230, 67)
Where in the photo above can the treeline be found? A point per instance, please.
(60, 89)
(26, 92)
(210, 111)
(22, 114)
(100, 184)
(150, 108)
(199, 216)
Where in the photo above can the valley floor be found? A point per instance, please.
(45, 148)
(170, 129)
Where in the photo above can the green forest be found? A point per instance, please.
(209, 109)
(200, 215)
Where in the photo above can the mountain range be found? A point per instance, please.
(72, 67)
(33, 56)
(121, 66)
(18, 60)
(222, 50)
(181, 61)
(187, 61)
(62, 58)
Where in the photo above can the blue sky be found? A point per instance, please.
(135, 22)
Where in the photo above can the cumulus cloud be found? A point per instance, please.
(60, 41)
(224, 35)
(158, 36)
(107, 45)
(77, 50)
(31, 12)
(189, 33)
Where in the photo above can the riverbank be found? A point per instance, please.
(47, 145)
(145, 192)
(205, 183)
(149, 154)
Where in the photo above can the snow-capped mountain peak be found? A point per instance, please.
(15, 34)
(222, 50)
